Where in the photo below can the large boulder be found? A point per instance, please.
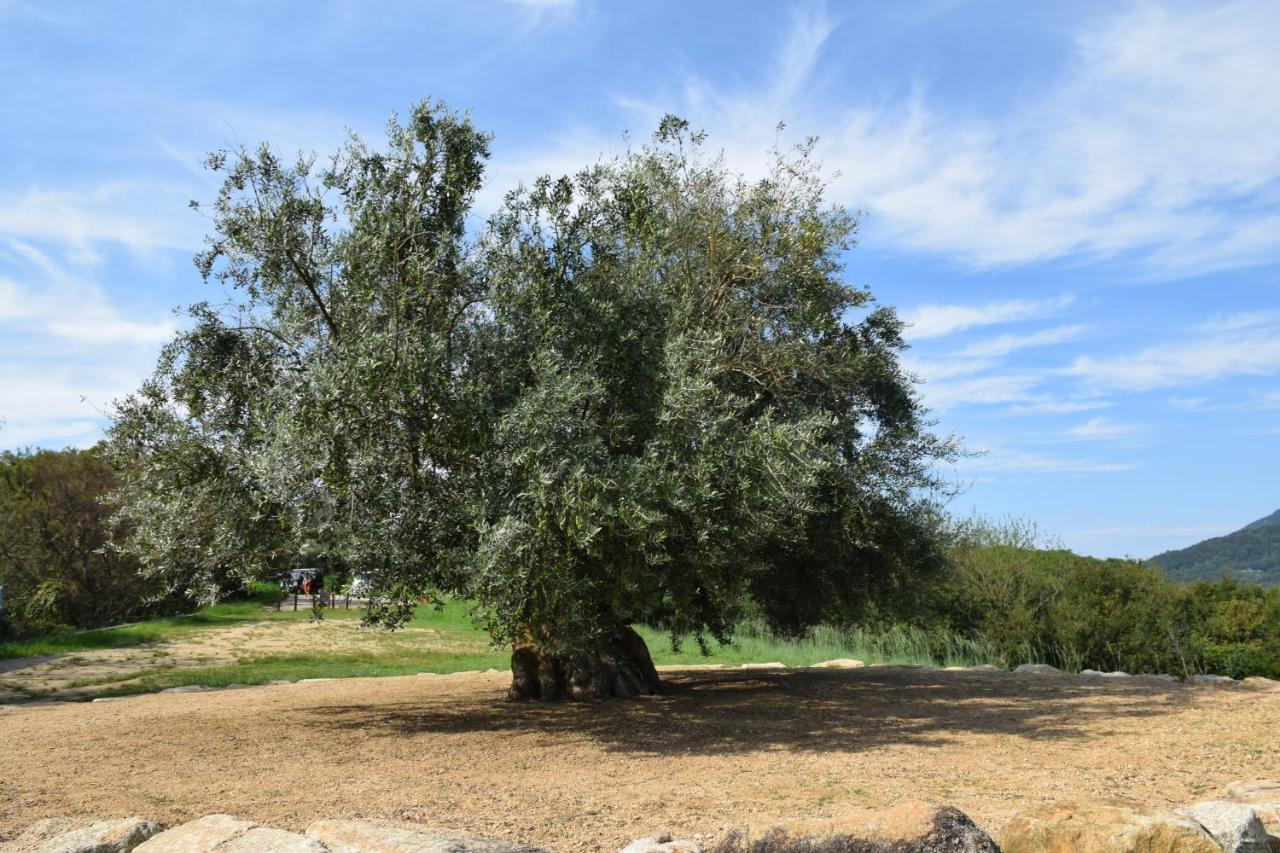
(909, 829)
(1234, 826)
(369, 836)
(1257, 682)
(60, 835)
(840, 663)
(1103, 826)
(226, 834)
(1262, 796)
(1221, 680)
(265, 839)
(204, 833)
(1036, 669)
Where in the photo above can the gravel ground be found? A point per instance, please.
(719, 749)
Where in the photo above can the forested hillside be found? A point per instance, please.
(1251, 554)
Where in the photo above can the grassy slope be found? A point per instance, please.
(452, 622)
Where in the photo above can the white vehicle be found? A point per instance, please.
(361, 586)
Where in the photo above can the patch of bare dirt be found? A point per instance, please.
(84, 673)
(718, 749)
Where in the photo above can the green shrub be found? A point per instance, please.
(1030, 602)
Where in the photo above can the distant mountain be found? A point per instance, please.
(1273, 519)
(1250, 554)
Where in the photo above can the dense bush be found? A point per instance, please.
(1047, 604)
(56, 564)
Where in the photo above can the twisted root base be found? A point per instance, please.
(619, 668)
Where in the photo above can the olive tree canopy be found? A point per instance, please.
(639, 393)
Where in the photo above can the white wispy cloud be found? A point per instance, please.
(1249, 352)
(141, 215)
(988, 390)
(1159, 138)
(1103, 428)
(48, 432)
(70, 309)
(66, 351)
(932, 321)
(1049, 405)
(544, 4)
(1008, 460)
(1240, 320)
(1007, 344)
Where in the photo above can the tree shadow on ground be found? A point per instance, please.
(730, 711)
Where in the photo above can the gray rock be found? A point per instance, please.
(59, 835)
(1263, 796)
(199, 835)
(1213, 679)
(910, 828)
(1037, 669)
(1093, 673)
(369, 836)
(982, 667)
(264, 839)
(772, 665)
(662, 842)
(1114, 826)
(1233, 825)
(840, 663)
(187, 688)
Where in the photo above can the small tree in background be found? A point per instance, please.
(640, 393)
(56, 566)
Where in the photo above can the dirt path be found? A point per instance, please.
(84, 673)
(721, 748)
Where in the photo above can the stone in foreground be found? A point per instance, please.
(1262, 796)
(368, 836)
(226, 834)
(1234, 826)
(59, 835)
(1104, 826)
(913, 829)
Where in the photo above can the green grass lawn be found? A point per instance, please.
(399, 654)
(452, 618)
(164, 629)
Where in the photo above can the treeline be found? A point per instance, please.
(58, 568)
(1034, 603)
(1004, 588)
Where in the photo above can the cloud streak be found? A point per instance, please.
(1159, 141)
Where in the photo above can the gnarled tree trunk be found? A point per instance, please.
(619, 666)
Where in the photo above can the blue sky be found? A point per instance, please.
(1076, 205)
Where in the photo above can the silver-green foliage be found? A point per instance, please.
(642, 392)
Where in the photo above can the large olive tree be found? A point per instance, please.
(643, 392)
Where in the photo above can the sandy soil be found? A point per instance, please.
(72, 675)
(719, 749)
